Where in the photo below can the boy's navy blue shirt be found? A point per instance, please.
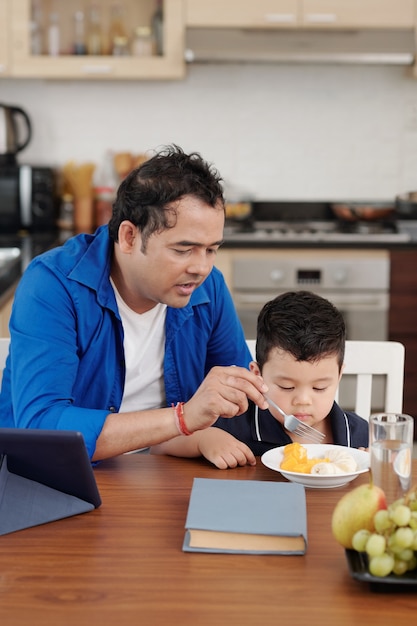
(261, 431)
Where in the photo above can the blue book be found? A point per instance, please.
(246, 516)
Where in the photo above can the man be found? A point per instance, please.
(130, 335)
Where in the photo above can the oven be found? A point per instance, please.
(355, 281)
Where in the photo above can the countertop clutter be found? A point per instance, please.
(16, 252)
(87, 190)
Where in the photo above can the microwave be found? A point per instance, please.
(28, 199)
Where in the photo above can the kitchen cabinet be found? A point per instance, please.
(4, 39)
(333, 14)
(169, 65)
(390, 14)
(238, 14)
(402, 326)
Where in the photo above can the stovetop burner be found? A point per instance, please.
(315, 231)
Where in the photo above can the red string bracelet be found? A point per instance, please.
(179, 418)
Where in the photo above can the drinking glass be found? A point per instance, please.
(391, 446)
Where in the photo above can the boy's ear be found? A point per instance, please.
(254, 367)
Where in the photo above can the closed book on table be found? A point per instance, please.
(246, 516)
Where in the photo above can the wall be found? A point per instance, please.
(279, 131)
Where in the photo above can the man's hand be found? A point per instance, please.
(224, 392)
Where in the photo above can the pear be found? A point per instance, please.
(355, 511)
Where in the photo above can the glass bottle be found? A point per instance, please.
(36, 34)
(66, 213)
(79, 46)
(105, 183)
(120, 47)
(157, 25)
(94, 33)
(143, 44)
(118, 37)
(53, 34)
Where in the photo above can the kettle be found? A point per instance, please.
(15, 132)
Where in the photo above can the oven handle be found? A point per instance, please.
(344, 302)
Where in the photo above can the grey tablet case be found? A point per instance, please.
(45, 475)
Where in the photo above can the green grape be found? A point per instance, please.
(375, 546)
(396, 503)
(359, 539)
(412, 563)
(413, 505)
(392, 545)
(405, 555)
(381, 565)
(401, 515)
(403, 537)
(400, 567)
(382, 520)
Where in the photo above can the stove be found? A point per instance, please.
(302, 223)
(316, 231)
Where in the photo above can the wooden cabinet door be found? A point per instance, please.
(240, 14)
(170, 65)
(358, 13)
(4, 38)
(402, 325)
(300, 13)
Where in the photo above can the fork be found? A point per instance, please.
(296, 426)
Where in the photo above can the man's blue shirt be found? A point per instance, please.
(66, 367)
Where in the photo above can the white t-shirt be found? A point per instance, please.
(144, 346)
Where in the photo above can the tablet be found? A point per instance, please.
(51, 466)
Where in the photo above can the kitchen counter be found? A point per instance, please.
(29, 246)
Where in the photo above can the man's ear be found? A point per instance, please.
(128, 235)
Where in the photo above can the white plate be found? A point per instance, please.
(273, 459)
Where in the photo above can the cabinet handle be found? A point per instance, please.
(321, 18)
(96, 69)
(280, 18)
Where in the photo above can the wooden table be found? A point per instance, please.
(123, 563)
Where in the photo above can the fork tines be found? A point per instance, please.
(304, 430)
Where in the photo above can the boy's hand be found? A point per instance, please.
(223, 450)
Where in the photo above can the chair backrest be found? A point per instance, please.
(4, 351)
(252, 346)
(367, 362)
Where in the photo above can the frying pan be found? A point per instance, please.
(355, 211)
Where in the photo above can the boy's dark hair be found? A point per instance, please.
(144, 194)
(302, 323)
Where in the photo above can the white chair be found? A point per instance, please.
(252, 347)
(369, 360)
(366, 363)
(4, 351)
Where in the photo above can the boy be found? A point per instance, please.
(299, 354)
